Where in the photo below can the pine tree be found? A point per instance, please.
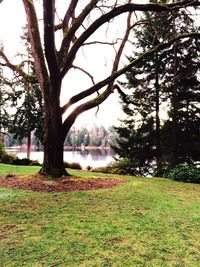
(145, 83)
(26, 98)
(4, 116)
(187, 106)
(161, 79)
(130, 145)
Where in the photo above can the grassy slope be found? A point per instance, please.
(146, 222)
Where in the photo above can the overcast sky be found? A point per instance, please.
(12, 18)
(96, 59)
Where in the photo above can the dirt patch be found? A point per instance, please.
(40, 184)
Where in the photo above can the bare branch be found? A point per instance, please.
(110, 86)
(126, 98)
(99, 42)
(112, 77)
(82, 108)
(103, 96)
(122, 45)
(16, 68)
(84, 71)
(49, 38)
(71, 33)
(69, 14)
(58, 27)
(130, 7)
(75, 98)
(102, 7)
(36, 46)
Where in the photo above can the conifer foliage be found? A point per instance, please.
(162, 128)
(27, 101)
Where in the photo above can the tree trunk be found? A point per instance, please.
(1, 134)
(159, 162)
(174, 102)
(53, 164)
(29, 145)
(188, 140)
(1, 137)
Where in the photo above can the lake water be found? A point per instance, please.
(94, 158)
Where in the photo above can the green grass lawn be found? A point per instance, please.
(6, 169)
(145, 222)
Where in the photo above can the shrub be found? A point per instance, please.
(2, 149)
(4, 157)
(118, 167)
(34, 163)
(73, 165)
(24, 161)
(124, 166)
(106, 169)
(7, 159)
(66, 164)
(88, 168)
(185, 173)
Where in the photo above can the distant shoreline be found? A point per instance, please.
(23, 148)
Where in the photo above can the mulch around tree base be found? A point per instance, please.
(39, 184)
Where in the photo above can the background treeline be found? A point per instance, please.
(83, 136)
(93, 136)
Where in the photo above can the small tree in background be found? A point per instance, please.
(26, 98)
(4, 116)
(28, 117)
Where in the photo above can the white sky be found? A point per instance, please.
(12, 18)
(96, 59)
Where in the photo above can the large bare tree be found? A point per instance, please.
(54, 61)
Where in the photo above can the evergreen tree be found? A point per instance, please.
(4, 116)
(28, 116)
(186, 101)
(180, 66)
(145, 83)
(162, 78)
(130, 145)
(26, 98)
(82, 137)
